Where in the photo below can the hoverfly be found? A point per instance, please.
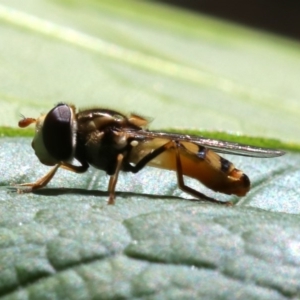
(110, 141)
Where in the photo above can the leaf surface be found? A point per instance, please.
(186, 70)
(65, 242)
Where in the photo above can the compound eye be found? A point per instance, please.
(57, 132)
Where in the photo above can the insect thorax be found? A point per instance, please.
(100, 138)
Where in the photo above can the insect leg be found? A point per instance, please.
(76, 169)
(43, 181)
(142, 163)
(113, 180)
(186, 188)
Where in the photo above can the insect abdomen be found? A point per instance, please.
(212, 170)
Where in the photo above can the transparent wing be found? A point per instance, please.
(216, 145)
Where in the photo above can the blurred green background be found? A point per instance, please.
(183, 69)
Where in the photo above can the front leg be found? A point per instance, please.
(40, 183)
(76, 169)
(43, 181)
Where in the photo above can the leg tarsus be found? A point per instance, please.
(111, 199)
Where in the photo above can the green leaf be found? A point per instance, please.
(65, 242)
(186, 70)
(183, 69)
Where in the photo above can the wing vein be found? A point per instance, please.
(219, 146)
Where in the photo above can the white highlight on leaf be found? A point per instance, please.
(162, 66)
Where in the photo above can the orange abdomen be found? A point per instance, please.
(211, 169)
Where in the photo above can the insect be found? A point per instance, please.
(110, 141)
